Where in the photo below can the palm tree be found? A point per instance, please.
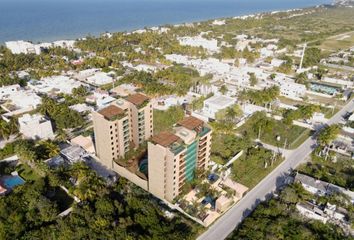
(4, 129)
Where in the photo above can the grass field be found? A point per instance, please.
(290, 136)
(250, 170)
(339, 42)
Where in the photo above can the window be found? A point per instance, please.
(111, 127)
(111, 132)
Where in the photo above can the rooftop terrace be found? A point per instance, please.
(137, 99)
(111, 112)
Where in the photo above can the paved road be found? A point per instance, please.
(228, 222)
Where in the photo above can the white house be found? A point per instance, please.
(18, 47)
(199, 41)
(8, 90)
(214, 104)
(54, 85)
(35, 127)
(292, 89)
(99, 79)
(100, 98)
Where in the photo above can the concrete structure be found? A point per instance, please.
(85, 142)
(199, 41)
(35, 127)
(99, 79)
(321, 188)
(18, 47)
(17, 101)
(174, 158)
(275, 180)
(126, 123)
(8, 90)
(73, 154)
(100, 97)
(312, 211)
(214, 104)
(54, 85)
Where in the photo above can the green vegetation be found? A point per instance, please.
(8, 128)
(173, 80)
(269, 129)
(339, 172)
(303, 112)
(312, 57)
(279, 219)
(328, 134)
(121, 211)
(62, 116)
(226, 146)
(254, 165)
(261, 97)
(164, 120)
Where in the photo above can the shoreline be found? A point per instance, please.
(175, 24)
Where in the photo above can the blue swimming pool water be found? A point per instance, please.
(324, 89)
(12, 181)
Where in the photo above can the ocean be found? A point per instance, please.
(49, 20)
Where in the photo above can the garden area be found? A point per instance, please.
(270, 131)
(279, 219)
(339, 172)
(254, 165)
(164, 120)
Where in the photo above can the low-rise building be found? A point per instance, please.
(321, 188)
(35, 127)
(214, 104)
(54, 85)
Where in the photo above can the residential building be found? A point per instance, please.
(35, 127)
(175, 157)
(214, 104)
(124, 124)
(6, 91)
(54, 85)
(321, 188)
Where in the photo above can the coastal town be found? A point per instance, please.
(183, 131)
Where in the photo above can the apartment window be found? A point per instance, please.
(111, 138)
(111, 132)
(112, 148)
(111, 127)
(112, 143)
(115, 124)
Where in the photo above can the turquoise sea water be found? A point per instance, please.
(48, 20)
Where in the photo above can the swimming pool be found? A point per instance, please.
(322, 88)
(12, 181)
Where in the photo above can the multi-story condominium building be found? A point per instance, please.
(175, 157)
(124, 124)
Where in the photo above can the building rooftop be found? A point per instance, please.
(191, 123)
(165, 139)
(310, 181)
(220, 101)
(137, 99)
(111, 112)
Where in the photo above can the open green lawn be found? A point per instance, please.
(164, 120)
(340, 42)
(290, 136)
(250, 169)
